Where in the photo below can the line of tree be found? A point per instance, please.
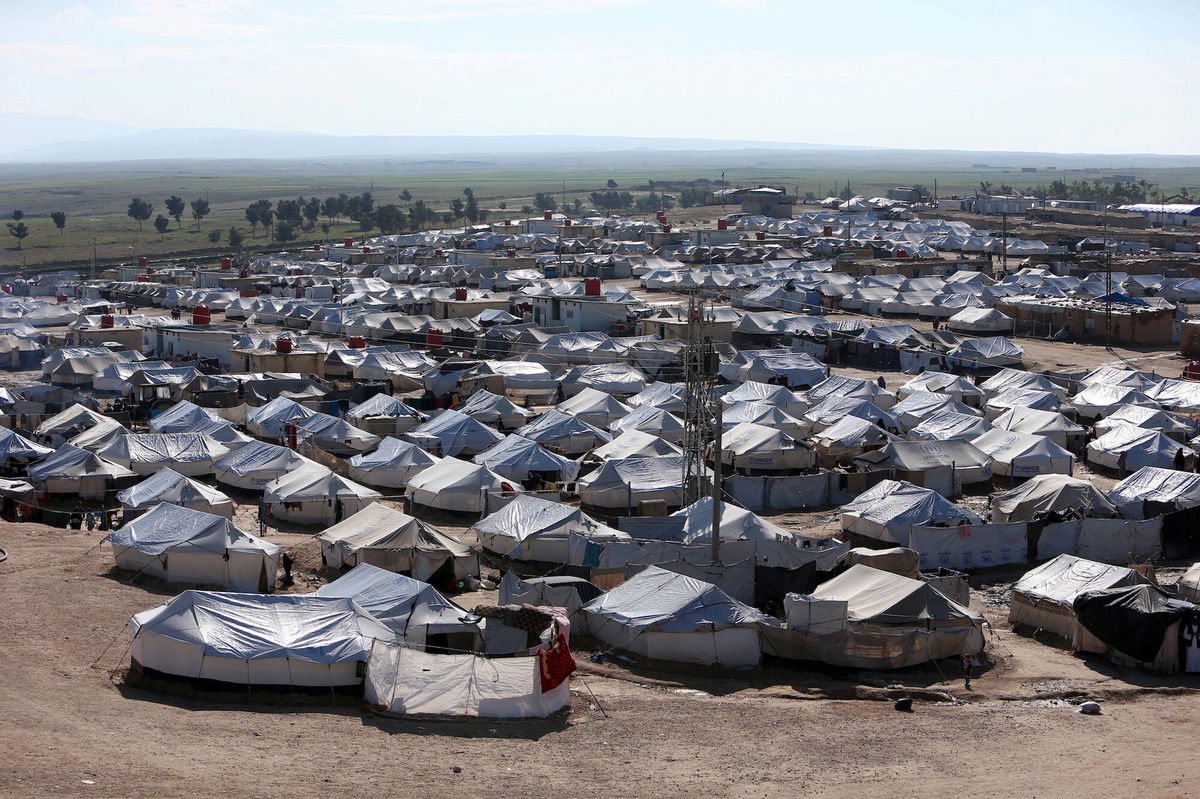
(1118, 193)
(18, 229)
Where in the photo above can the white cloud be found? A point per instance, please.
(213, 20)
(75, 16)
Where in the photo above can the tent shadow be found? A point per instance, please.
(1140, 678)
(154, 585)
(473, 727)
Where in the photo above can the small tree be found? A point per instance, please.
(330, 208)
(390, 218)
(612, 184)
(544, 201)
(18, 216)
(502, 205)
(312, 211)
(252, 217)
(161, 224)
(175, 209)
(457, 208)
(290, 211)
(214, 235)
(235, 238)
(406, 195)
(200, 209)
(18, 230)
(285, 231)
(60, 220)
(139, 210)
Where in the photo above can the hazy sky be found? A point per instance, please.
(1053, 75)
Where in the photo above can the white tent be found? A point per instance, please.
(191, 454)
(457, 486)
(253, 466)
(628, 483)
(918, 406)
(663, 615)
(251, 639)
(413, 609)
(269, 421)
(758, 449)
(1051, 493)
(16, 450)
(392, 464)
(99, 436)
(529, 528)
(889, 510)
(1023, 455)
(944, 466)
(764, 414)
(853, 388)
(1044, 596)
(980, 320)
(610, 378)
(569, 593)
(336, 436)
(944, 383)
(522, 459)
(173, 488)
(635, 444)
(873, 619)
(832, 410)
(452, 433)
(389, 539)
(1050, 424)
(773, 545)
(594, 407)
(753, 391)
(495, 410)
(565, 434)
(316, 496)
(1008, 379)
(69, 423)
(385, 415)
(1128, 448)
(950, 426)
(180, 418)
(1096, 400)
(1031, 399)
(182, 545)
(1148, 418)
(849, 437)
(668, 396)
(655, 421)
(71, 470)
(977, 353)
(1163, 487)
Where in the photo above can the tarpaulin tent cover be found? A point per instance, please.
(887, 510)
(167, 485)
(1051, 492)
(1155, 484)
(408, 606)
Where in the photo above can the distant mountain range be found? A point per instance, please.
(32, 138)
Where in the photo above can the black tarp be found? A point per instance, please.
(1133, 619)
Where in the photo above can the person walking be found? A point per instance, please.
(968, 664)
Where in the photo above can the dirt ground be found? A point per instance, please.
(71, 728)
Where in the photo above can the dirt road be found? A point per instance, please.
(68, 730)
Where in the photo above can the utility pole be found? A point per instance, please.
(1004, 243)
(1107, 299)
(702, 420)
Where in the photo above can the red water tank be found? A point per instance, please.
(661, 216)
(107, 321)
(760, 234)
(357, 342)
(567, 222)
(511, 253)
(953, 196)
(143, 260)
(591, 287)
(283, 345)
(507, 222)
(827, 231)
(143, 278)
(316, 248)
(297, 272)
(722, 224)
(666, 228)
(878, 237)
(433, 338)
(347, 242)
(366, 250)
(149, 270)
(437, 253)
(201, 315)
(61, 298)
(227, 263)
(901, 253)
(547, 215)
(460, 294)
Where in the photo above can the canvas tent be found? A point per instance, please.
(384, 415)
(635, 444)
(269, 421)
(336, 436)
(417, 612)
(561, 591)
(458, 487)
(1152, 490)
(1044, 596)
(889, 510)
(564, 434)
(944, 466)
(451, 434)
(757, 449)
(495, 410)
(1148, 418)
(252, 639)
(1138, 625)
(71, 470)
(1127, 448)
(191, 454)
(392, 540)
(594, 407)
(16, 450)
(181, 545)
(1051, 493)
(950, 426)
(253, 466)
(526, 461)
(68, 423)
(1049, 424)
(874, 619)
(978, 353)
(1024, 455)
(315, 496)
(628, 483)
(530, 528)
(392, 464)
(173, 488)
(655, 421)
(663, 615)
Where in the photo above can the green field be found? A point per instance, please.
(95, 196)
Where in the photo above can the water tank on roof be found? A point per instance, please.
(347, 242)
(227, 263)
(591, 287)
(460, 294)
(201, 315)
(143, 260)
(283, 345)
(357, 342)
